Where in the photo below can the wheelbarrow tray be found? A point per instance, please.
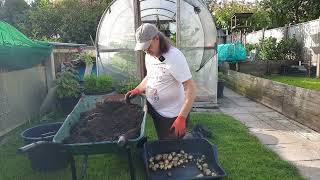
(196, 147)
(86, 103)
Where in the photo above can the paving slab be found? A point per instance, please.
(309, 169)
(296, 151)
(291, 140)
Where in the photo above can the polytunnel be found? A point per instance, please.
(189, 25)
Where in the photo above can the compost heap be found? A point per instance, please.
(107, 122)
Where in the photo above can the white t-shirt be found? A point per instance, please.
(164, 89)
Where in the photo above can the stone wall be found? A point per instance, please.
(299, 104)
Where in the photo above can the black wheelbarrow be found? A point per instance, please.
(195, 147)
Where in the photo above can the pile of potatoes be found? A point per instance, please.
(176, 159)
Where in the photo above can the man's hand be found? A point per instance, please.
(179, 126)
(132, 93)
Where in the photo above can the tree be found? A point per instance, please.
(80, 19)
(66, 21)
(43, 22)
(13, 11)
(291, 12)
(224, 14)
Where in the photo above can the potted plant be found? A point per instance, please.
(94, 85)
(221, 82)
(68, 90)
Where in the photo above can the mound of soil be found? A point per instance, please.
(107, 122)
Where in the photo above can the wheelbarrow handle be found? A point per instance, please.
(29, 147)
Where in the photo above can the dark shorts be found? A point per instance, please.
(162, 124)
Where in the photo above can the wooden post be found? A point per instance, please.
(138, 54)
(318, 53)
(318, 65)
(50, 71)
(178, 23)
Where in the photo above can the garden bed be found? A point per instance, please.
(299, 81)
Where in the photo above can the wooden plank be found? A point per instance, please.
(303, 105)
(302, 93)
(272, 102)
(318, 66)
(309, 120)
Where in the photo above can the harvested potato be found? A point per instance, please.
(207, 172)
(158, 157)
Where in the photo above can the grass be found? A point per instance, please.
(240, 153)
(304, 82)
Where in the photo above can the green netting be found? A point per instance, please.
(233, 52)
(18, 51)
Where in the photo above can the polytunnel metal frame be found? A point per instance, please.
(176, 17)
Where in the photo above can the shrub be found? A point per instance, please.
(104, 83)
(100, 84)
(127, 85)
(85, 57)
(268, 49)
(289, 49)
(250, 47)
(67, 85)
(90, 83)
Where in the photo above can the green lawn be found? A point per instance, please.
(240, 153)
(304, 82)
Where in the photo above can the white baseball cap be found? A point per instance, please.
(144, 35)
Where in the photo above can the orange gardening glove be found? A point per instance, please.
(179, 126)
(132, 93)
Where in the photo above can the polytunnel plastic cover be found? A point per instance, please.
(115, 38)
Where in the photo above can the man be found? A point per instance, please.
(168, 85)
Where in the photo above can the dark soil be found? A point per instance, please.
(107, 122)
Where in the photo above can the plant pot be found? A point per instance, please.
(67, 104)
(220, 88)
(43, 132)
(39, 158)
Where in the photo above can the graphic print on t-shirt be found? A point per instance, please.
(153, 94)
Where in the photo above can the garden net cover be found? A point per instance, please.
(18, 51)
(232, 52)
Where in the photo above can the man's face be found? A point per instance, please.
(153, 49)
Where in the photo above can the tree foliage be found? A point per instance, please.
(285, 49)
(284, 12)
(269, 13)
(13, 11)
(224, 14)
(67, 21)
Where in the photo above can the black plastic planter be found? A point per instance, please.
(46, 157)
(220, 88)
(43, 132)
